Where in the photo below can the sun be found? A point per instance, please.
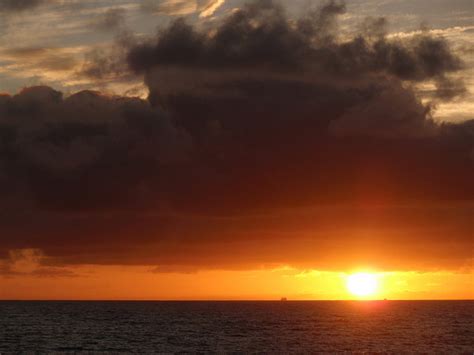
(362, 284)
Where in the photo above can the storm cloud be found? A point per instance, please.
(265, 140)
(261, 36)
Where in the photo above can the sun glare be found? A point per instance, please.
(362, 284)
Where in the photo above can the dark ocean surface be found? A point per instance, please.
(284, 327)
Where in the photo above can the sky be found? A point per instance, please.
(231, 149)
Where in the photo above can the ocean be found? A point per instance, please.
(249, 327)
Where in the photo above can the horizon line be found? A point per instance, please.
(240, 300)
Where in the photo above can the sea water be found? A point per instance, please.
(288, 327)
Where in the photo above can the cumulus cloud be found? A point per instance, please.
(260, 35)
(265, 140)
(50, 139)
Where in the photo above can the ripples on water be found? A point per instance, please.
(147, 327)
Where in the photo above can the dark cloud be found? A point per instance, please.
(54, 143)
(269, 141)
(19, 5)
(29, 262)
(261, 36)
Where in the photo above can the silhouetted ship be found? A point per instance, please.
(283, 299)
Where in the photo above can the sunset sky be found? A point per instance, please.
(231, 149)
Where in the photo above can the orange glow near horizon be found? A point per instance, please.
(139, 283)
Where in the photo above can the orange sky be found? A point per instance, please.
(140, 283)
(27, 279)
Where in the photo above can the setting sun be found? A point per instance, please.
(236, 176)
(362, 284)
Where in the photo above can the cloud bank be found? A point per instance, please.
(263, 141)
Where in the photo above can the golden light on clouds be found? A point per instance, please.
(205, 8)
(86, 282)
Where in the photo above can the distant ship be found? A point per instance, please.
(283, 299)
